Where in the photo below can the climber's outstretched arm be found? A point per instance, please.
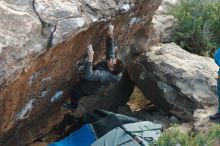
(110, 49)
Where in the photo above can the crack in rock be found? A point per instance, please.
(47, 28)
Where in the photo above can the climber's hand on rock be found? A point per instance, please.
(90, 53)
(110, 30)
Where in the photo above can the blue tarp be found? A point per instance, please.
(82, 137)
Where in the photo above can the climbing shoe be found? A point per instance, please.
(215, 117)
(69, 106)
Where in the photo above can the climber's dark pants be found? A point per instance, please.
(76, 94)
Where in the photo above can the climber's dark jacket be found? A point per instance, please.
(96, 77)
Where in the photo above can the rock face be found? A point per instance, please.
(37, 65)
(21, 39)
(175, 80)
(164, 23)
(201, 122)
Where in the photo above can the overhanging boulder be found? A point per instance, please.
(41, 48)
(175, 80)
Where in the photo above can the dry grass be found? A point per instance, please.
(138, 101)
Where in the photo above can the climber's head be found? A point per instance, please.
(115, 65)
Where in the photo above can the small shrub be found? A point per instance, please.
(198, 30)
(174, 137)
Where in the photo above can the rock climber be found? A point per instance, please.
(96, 77)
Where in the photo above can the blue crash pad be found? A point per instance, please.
(82, 137)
